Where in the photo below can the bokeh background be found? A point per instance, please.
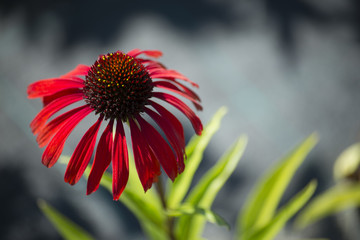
(284, 69)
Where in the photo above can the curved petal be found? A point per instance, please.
(184, 88)
(160, 147)
(171, 134)
(48, 87)
(171, 87)
(102, 159)
(48, 99)
(82, 154)
(187, 90)
(151, 64)
(133, 52)
(80, 70)
(195, 121)
(170, 74)
(120, 162)
(54, 125)
(151, 53)
(147, 166)
(177, 126)
(53, 107)
(56, 145)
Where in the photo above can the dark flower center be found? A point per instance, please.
(118, 86)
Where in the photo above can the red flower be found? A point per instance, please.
(120, 88)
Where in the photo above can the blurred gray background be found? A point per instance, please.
(284, 69)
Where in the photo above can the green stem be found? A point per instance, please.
(169, 220)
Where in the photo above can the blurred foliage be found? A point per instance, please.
(145, 206)
(259, 219)
(67, 229)
(205, 191)
(347, 164)
(335, 199)
(194, 151)
(343, 195)
(191, 210)
(182, 211)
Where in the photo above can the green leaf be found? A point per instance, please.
(194, 151)
(191, 210)
(274, 226)
(336, 199)
(149, 216)
(67, 229)
(145, 206)
(348, 162)
(204, 193)
(260, 207)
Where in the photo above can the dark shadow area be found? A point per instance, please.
(20, 216)
(95, 21)
(286, 15)
(355, 17)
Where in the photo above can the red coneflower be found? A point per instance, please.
(120, 87)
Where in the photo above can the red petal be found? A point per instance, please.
(150, 64)
(80, 70)
(171, 87)
(133, 52)
(161, 149)
(102, 159)
(170, 74)
(195, 121)
(50, 98)
(170, 117)
(82, 154)
(120, 162)
(54, 125)
(147, 166)
(51, 86)
(175, 140)
(188, 90)
(52, 108)
(56, 145)
(151, 53)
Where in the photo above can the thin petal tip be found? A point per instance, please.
(155, 53)
(116, 198)
(91, 190)
(47, 165)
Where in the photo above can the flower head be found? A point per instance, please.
(120, 88)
